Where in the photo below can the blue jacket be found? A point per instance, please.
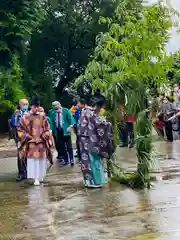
(77, 115)
(15, 120)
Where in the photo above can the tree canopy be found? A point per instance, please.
(45, 45)
(18, 20)
(132, 52)
(174, 73)
(66, 40)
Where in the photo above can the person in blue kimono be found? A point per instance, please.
(14, 123)
(63, 123)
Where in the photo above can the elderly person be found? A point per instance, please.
(14, 123)
(63, 123)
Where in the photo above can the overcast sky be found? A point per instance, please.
(174, 42)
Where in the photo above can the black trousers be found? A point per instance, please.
(77, 143)
(64, 147)
(126, 132)
(179, 125)
(160, 131)
(22, 167)
(168, 130)
(57, 145)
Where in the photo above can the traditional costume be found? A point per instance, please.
(35, 143)
(96, 143)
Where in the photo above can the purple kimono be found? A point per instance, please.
(96, 142)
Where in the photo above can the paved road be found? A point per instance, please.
(62, 209)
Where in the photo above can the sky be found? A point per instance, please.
(174, 42)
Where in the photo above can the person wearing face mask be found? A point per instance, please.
(14, 123)
(63, 123)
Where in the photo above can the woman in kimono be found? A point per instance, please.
(96, 143)
(35, 142)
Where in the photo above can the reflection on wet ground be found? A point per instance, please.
(62, 209)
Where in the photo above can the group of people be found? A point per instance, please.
(168, 115)
(36, 134)
(126, 128)
(33, 139)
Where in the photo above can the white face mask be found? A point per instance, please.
(57, 107)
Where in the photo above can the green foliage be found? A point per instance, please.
(130, 59)
(133, 50)
(52, 40)
(10, 86)
(18, 20)
(174, 73)
(41, 86)
(141, 178)
(66, 39)
(144, 147)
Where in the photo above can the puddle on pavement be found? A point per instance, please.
(62, 209)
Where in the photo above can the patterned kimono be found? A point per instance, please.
(96, 143)
(35, 143)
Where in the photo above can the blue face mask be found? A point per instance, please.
(25, 108)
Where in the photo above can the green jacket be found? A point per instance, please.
(67, 120)
(50, 122)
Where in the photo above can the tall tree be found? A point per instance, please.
(130, 58)
(18, 19)
(67, 39)
(174, 73)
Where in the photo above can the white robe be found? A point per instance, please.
(36, 168)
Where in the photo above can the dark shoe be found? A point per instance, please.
(72, 164)
(131, 144)
(20, 178)
(65, 163)
(123, 145)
